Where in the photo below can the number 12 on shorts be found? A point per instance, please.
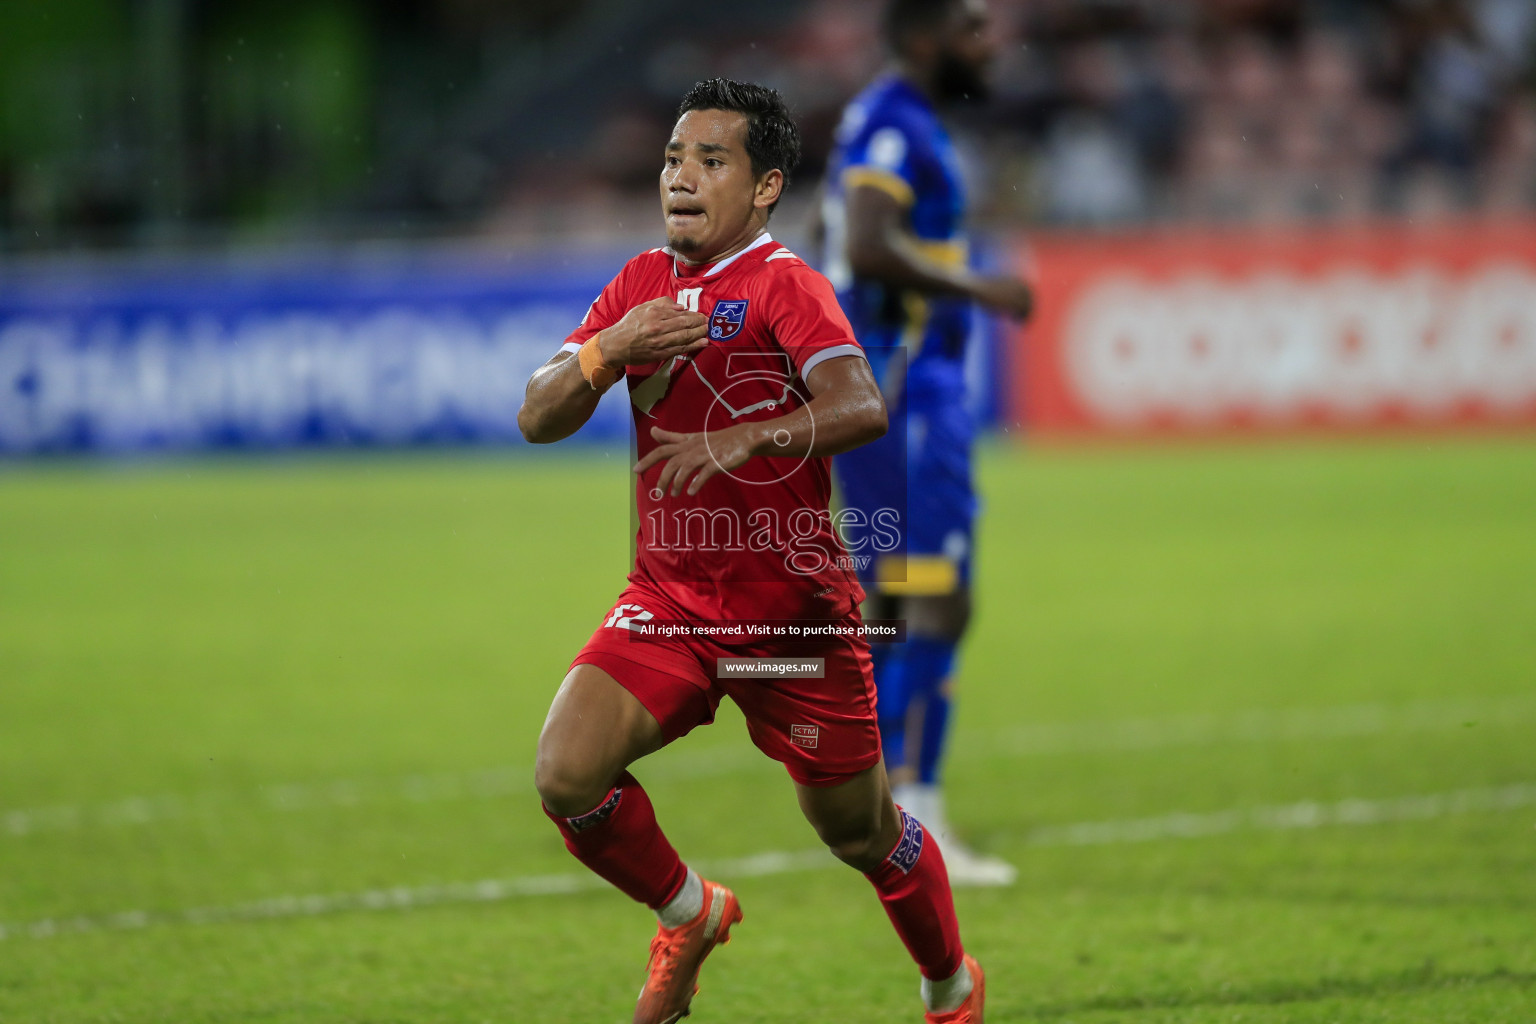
(626, 615)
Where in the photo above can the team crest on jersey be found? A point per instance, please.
(727, 319)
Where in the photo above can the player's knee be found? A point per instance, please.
(855, 843)
(863, 854)
(567, 788)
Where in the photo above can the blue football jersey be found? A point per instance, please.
(890, 138)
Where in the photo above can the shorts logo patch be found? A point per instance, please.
(911, 846)
(727, 319)
(806, 736)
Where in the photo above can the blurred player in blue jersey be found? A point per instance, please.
(893, 216)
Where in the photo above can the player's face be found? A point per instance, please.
(966, 58)
(709, 196)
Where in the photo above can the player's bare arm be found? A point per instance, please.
(845, 411)
(559, 399)
(882, 247)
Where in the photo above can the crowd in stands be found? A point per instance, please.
(1111, 112)
(338, 119)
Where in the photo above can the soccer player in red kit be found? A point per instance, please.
(744, 377)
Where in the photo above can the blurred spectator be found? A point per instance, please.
(1449, 78)
(1094, 152)
(1510, 179)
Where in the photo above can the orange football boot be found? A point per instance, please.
(968, 1012)
(672, 976)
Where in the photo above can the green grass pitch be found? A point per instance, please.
(1255, 722)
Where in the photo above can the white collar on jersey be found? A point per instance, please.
(761, 240)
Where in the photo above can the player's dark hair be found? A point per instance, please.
(904, 17)
(773, 141)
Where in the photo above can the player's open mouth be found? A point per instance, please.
(684, 213)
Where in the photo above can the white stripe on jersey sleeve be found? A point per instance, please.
(570, 346)
(830, 353)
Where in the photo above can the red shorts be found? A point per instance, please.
(822, 730)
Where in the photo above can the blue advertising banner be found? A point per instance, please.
(379, 349)
(312, 352)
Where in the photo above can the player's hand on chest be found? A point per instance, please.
(724, 311)
(653, 332)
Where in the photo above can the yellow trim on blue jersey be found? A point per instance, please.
(882, 178)
(916, 575)
(948, 252)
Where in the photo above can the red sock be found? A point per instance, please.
(620, 841)
(914, 887)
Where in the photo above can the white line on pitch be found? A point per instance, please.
(1307, 814)
(1257, 726)
(490, 890)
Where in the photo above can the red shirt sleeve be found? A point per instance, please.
(606, 310)
(805, 318)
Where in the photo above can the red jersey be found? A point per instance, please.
(756, 542)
